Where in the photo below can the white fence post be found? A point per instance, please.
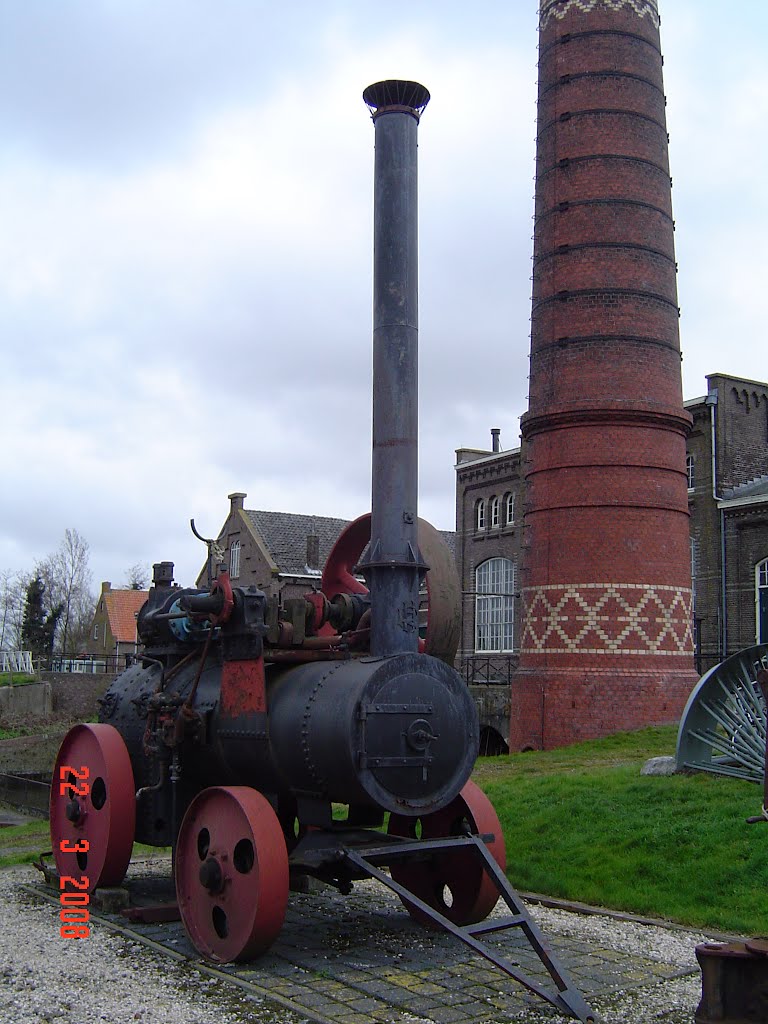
(16, 661)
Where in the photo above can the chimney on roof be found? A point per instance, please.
(236, 500)
(495, 442)
(105, 586)
(313, 551)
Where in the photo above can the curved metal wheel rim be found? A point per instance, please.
(442, 582)
(244, 918)
(723, 726)
(461, 871)
(107, 813)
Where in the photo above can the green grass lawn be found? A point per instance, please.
(583, 824)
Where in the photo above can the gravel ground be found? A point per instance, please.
(109, 978)
(106, 978)
(672, 1002)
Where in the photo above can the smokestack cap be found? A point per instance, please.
(395, 96)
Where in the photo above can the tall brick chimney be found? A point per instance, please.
(607, 641)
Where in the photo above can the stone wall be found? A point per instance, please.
(32, 700)
(75, 695)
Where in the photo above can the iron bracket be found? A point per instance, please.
(567, 999)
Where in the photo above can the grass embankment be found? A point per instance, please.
(22, 844)
(581, 823)
(16, 679)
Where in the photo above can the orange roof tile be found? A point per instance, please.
(121, 606)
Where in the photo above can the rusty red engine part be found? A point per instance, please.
(453, 882)
(442, 594)
(93, 806)
(231, 873)
(734, 982)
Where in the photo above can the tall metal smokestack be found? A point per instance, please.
(392, 564)
(607, 640)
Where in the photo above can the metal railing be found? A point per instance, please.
(488, 670)
(26, 792)
(85, 664)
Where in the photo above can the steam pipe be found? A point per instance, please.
(392, 564)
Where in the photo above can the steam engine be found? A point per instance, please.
(235, 690)
(245, 723)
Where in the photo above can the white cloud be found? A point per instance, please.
(185, 262)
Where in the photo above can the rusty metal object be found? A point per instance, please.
(453, 882)
(762, 682)
(443, 591)
(392, 563)
(231, 873)
(722, 728)
(469, 848)
(734, 982)
(155, 913)
(93, 806)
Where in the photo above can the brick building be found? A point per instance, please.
(489, 531)
(282, 553)
(728, 501)
(728, 535)
(112, 633)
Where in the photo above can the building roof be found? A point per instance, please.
(752, 488)
(121, 607)
(285, 537)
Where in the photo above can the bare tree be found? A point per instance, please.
(13, 591)
(137, 577)
(67, 576)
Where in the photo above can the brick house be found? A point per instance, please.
(112, 632)
(282, 553)
(727, 462)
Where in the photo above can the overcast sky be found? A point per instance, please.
(186, 248)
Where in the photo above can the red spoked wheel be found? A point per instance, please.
(455, 882)
(231, 873)
(441, 593)
(93, 807)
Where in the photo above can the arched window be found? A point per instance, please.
(509, 509)
(494, 513)
(690, 472)
(480, 514)
(494, 605)
(761, 601)
(234, 559)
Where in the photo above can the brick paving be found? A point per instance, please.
(360, 959)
